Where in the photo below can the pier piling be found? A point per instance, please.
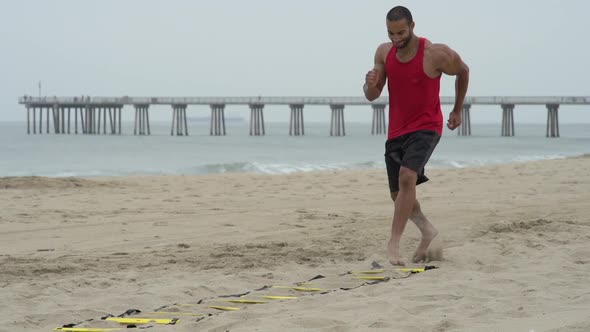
(56, 121)
(552, 120)
(217, 127)
(34, 121)
(507, 119)
(465, 127)
(379, 126)
(28, 120)
(179, 120)
(119, 123)
(69, 122)
(142, 120)
(99, 113)
(257, 120)
(40, 121)
(337, 127)
(296, 125)
(63, 120)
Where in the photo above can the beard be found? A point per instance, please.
(405, 42)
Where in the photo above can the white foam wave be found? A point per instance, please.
(276, 168)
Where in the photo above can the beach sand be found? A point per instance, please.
(514, 237)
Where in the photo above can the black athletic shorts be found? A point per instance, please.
(411, 150)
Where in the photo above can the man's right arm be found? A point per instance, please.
(375, 78)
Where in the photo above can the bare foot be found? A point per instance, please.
(428, 234)
(393, 254)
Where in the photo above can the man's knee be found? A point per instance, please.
(407, 177)
(416, 211)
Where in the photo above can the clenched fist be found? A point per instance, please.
(454, 120)
(372, 78)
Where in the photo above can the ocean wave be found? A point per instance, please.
(273, 168)
(462, 163)
(280, 168)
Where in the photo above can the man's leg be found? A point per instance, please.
(429, 232)
(403, 209)
(414, 152)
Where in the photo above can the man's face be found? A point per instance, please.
(400, 32)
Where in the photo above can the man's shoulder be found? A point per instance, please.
(437, 53)
(383, 50)
(436, 48)
(385, 46)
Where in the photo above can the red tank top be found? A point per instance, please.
(414, 102)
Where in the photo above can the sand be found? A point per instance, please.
(514, 237)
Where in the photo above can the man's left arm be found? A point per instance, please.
(451, 64)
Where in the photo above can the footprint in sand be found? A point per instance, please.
(380, 325)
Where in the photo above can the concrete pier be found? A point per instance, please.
(56, 119)
(507, 119)
(337, 127)
(296, 126)
(92, 112)
(379, 126)
(115, 119)
(56, 113)
(465, 127)
(34, 121)
(142, 120)
(179, 125)
(90, 120)
(62, 117)
(552, 120)
(55, 116)
(82, 120)
(84, 117)
(217, 120)
(119, 122)
(40, 121)
(256, 120)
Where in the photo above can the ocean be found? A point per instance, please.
(275, 153)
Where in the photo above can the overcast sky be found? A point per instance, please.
(284, 48)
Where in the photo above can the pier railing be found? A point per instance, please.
(477, 100)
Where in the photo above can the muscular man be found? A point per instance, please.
(412, 67)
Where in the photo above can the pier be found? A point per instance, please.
(91, 112)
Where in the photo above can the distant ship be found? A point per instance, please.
(231, 119)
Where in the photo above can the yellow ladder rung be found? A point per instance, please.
(372, 277)
(277, 297)
(247, 301)
(369, 271)
(224, 308)
(84, 329)
(301, 289)
(411, 269)
(172, 313)
(128, 320)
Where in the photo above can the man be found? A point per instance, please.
(412, 67)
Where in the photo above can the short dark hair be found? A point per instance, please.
(398, 13)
